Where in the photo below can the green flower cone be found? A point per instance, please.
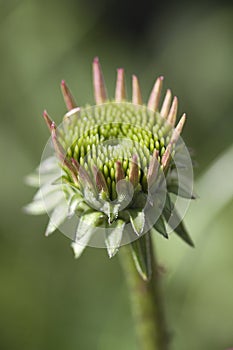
(116, 170)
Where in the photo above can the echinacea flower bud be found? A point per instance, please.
(119, 162)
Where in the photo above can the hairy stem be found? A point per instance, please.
(146, 302)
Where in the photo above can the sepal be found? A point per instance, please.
(77, 249)
(114, 236)
(88, 223)
(38, 207)
(137, 220)
(76, 199)
(57, 217)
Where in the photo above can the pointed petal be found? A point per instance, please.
(100, 180)
(120, 94)
(83, 176)
(136, 95)
(167, 156)
(98, 81)
(61, 153)
(153, 102)
(173, 112)
(57, 146)
(153, 168)
(75, 164)
(120, 175)
(178, 129)
(134, 171)
(166, 104)
(48, 120)
(67, 95)
(176, 133)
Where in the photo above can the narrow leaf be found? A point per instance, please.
(175, 222)
(160, 227)
(180, 190)
(141, 255)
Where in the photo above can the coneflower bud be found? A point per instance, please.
(119, 161)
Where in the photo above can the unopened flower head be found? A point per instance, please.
(114, 169)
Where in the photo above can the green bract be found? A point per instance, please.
(118, 162)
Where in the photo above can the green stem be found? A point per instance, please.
(147, 304)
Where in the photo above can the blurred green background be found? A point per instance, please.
(47, 299)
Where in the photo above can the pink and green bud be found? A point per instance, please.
(118, 164)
